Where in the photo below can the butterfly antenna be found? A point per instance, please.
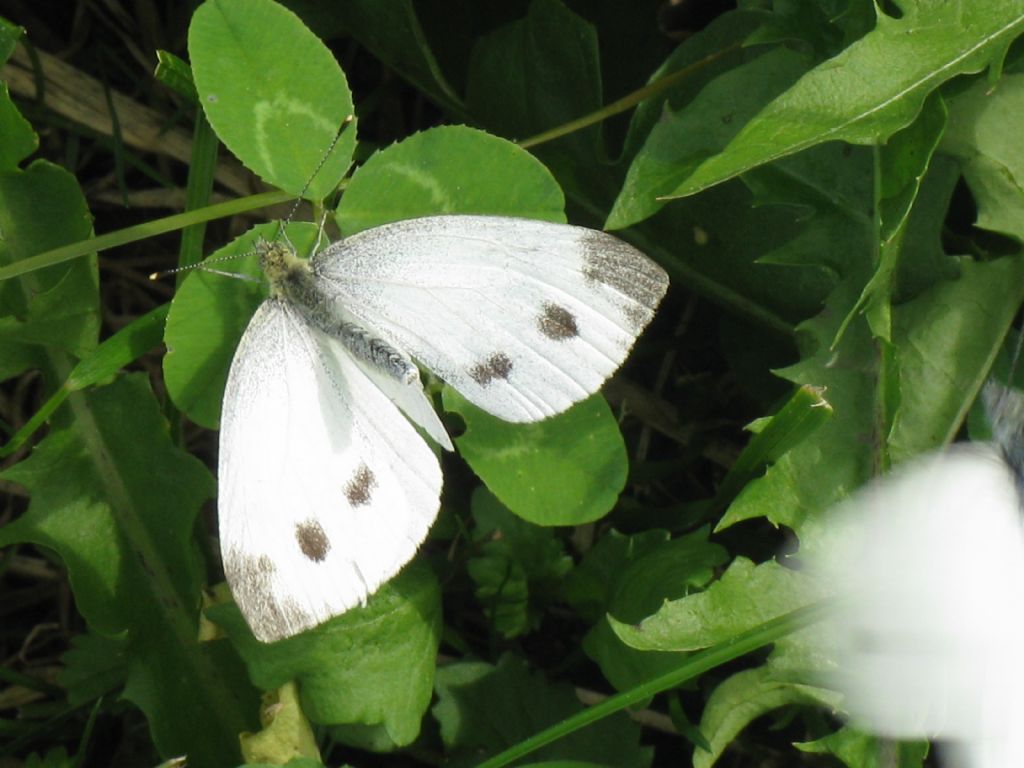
(204, 267)
(319, 166)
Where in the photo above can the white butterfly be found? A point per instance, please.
(931, 563)
(326, 489)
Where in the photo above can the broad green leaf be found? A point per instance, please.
(537, 73)
(52, 313)
(949, 339)
(742, 698)
(371, 665)
(517, 566)
(273, 93)
(565, 470)
(451, 169)
(482, 709)
(685, 137)
(20, 140)
(118, 501)
(858, 96)
(208, 315)
(746, 596)
(392, 31)
(982, 135)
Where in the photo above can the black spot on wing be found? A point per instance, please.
(557, 323)
(497, 366)
(312, 540)
(359, 490)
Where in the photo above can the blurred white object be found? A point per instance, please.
(930, 565)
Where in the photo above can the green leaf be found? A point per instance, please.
(517, 567)
(20, 140)
(99, 366)
(651, 572)
(392, 31)
(50, 310)
(451, 169)
(566, 470)
(273, 93)
(982, 135)
(858, 96)
(10, 34)
(742, 698)
(285, 734)
(176, 75)
(800, 417)
(685, 137)
(537, 73)
(861, 750)
(371, 665)
(117, 501)
(483, 708)
(746, 596)
(591, 584)
(94, 666)
(208, 315)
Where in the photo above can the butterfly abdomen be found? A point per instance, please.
(292, 279)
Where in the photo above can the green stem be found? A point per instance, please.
(694, 665)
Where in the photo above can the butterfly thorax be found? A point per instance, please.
(292, 280)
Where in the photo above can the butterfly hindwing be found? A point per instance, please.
(326, 489)
(523, 317)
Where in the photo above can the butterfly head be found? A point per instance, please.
(280, 264)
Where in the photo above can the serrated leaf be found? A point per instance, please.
(371, 665)
(982, 136)
(858, 96)
(273, 93)
(742, 698)
(745, 597)
(566, 470)
(100, 365)
(857, 749)
(117, 501)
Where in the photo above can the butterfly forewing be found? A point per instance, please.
(523, 317)
(326, 490)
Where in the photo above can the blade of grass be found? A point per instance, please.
(694, 665)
